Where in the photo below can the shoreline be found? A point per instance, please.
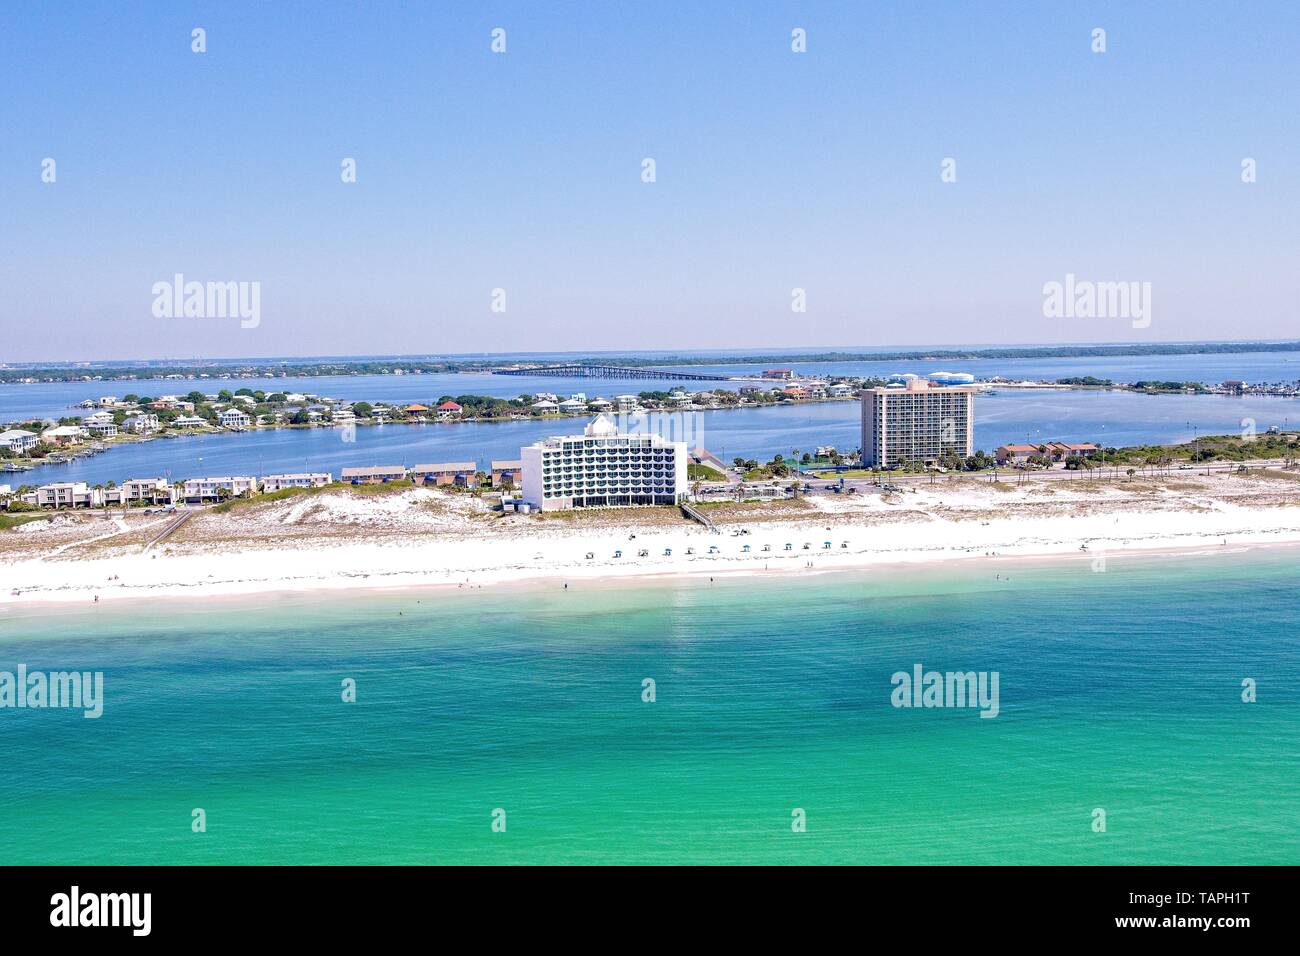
(369, 567)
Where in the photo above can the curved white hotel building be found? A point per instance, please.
(604, 467)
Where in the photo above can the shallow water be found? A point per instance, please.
(1119, 690)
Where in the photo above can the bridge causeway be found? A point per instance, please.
(612, 371)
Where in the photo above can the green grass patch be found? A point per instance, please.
(704, 473)
(8, 521)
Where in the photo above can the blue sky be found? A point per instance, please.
(522, 171)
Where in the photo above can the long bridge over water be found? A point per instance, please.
(611, 371)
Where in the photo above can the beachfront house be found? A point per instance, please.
(234, 418)
(301, 480)
(604, 467)
(18, 441)
(215, 489)
(459, 473)
(508, 472)
(65, 494)
(374, 475)
(152, 491)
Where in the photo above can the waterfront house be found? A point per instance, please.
(107, 401)
(234, 418)
(416, 410)
(18, 441)
(103, 429)
(778, 373)
(65, 494)
(839, 390)
(143, 423)
(374, 475)
(600, 404)
(98, 418)
(449, 410)
(546, 405)
(508, 471)
(459, 473)
(214, 489)
(626, 403)
(301, 480)
(188, 421)
(64, 435)
(572, 406)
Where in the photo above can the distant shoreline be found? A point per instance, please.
(305, 368)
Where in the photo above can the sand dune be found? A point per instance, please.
(424, 537)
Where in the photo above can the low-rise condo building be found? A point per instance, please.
(917, 423)
(1016, 454)
(316, 479)
(1063, 451)
(153, 491)
(374, 474)
(459, 473)
(65, 494)
(215, 489)
(507, 472)
(604, 467)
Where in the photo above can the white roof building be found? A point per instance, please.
(604, 467)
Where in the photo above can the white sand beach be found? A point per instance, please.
(422, 537)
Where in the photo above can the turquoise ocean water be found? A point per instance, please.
(1119, 690)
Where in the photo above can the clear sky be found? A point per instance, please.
(775, 170)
